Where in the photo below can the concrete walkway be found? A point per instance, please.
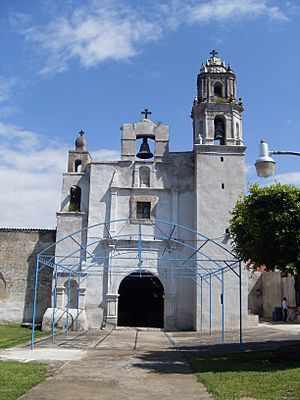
(135, 363)
(128, 364)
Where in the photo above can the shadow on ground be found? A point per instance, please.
(254, 356)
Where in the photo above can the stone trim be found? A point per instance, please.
(133, 209)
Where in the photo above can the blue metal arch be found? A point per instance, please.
(198, 264)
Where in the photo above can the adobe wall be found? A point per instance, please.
(18, 249)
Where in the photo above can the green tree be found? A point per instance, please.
(265, 227)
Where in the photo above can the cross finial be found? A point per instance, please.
(81, 132)
(214, 53)
(146, 112)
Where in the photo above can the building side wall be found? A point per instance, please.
(219, 181)
(17, 273)
(266, 290)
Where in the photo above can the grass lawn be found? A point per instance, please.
(249, 375)
(13, 334)
(17, 378)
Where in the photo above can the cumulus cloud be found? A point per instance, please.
(101, 30)
(234, 10)
(31, 176)
(6, 86)
(289, 178)
(7, 89)
(105, 155)
(92, 34)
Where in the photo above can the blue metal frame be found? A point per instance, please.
(54, 305)
(189, 262)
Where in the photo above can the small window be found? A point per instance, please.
(143, 209)
(222, 159)
(223, 186)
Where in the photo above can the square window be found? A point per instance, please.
(143, 209)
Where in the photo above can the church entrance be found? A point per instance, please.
(141, 301)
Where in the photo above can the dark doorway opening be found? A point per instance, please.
(141, 301)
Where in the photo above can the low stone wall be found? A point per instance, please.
(18, 249)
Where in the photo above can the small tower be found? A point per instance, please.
(216, 112)
(218, 146)
(80, 157)
(145, 129)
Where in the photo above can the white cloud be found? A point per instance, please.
(6, 86)
(105, 155)
(234, 10)
(289, 178)
(31, 175)
(250, 169)
(92, 33)
(17, 19)
(101, 30)
(8, 110)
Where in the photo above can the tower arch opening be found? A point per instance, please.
(78, 166)
(219, 134)
(218, 89)
(75, 198)
(145, 149)
(141, 301)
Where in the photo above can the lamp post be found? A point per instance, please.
(265, 165)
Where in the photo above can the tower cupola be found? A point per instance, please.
(80, 157)
(216, 112)
(80, 142)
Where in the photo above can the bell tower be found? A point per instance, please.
(216, 112)
(218, 146)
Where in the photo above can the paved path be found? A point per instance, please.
(135, 363)
(129, 364)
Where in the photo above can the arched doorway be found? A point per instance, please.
(141, 301)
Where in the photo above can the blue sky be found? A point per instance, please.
(94, 65)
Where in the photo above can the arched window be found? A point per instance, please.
(144, 173)
(75, 198)
(72, 301)
(219, 136)
(218, 90)
(78, 165)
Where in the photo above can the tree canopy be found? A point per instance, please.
(265, 227)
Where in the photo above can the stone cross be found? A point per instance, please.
(214, 53)
(146, 112)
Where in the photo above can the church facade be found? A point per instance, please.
(131, 273)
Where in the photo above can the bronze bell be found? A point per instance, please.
(219, 131)
(144, 152)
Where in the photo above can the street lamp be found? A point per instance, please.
(265, 165)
